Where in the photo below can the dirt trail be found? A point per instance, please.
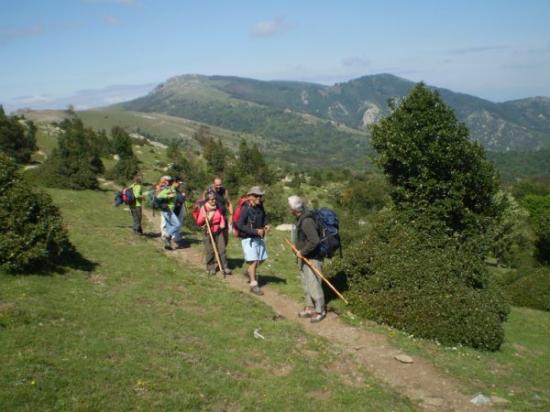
(418, 381)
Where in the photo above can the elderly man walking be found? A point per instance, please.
(307, 243)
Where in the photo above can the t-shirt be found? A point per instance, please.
(168, 193)
(138, 192)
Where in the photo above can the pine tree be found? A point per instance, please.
(127, 165)
(17, 137)
(74, 164)
(216, 157)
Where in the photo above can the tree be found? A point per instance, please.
(33, 234)
(433, 166)
(127, 165)
(75, 163)
(421, 267)
(17, 137)
(251, 166)
(216, 157)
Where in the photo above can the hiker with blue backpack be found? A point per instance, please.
(313, 243)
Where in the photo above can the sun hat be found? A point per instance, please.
(256, 190)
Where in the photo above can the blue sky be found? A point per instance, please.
(53, 50)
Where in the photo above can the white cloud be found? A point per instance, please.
(479, 49)
(270, 27)
(11, 34)
(112, 20)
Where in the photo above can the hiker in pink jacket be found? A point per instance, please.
(217, 222)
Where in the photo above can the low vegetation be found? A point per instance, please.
(33, 233)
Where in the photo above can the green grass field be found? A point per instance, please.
(134, 329)
(140, 332)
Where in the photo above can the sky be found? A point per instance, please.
(97, 52)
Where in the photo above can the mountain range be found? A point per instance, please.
(294, 111)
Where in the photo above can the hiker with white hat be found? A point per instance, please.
(253, 226)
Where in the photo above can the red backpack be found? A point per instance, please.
(237, 214)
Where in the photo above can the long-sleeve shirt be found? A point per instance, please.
(250, 219)
(308, 240)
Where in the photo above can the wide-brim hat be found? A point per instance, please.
(256, 190)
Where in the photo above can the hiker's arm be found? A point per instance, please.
(201, 217)
(228, 202)
(312, 237)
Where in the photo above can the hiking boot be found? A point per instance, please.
(167, 244)
(256, 290)
(227, 272)
(306, 313)
(318, 317)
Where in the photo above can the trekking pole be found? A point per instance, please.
(307, 262)
(214, 247)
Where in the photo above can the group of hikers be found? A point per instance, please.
(214, 213)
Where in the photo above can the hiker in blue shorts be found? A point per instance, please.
(253, 226)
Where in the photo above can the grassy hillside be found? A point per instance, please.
(138, 331)
(272, 108)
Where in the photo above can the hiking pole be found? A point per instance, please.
(214, 247)
(307, 262)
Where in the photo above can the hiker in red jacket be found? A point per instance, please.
(218, 223)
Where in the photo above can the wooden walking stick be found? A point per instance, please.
(312, 266)
(214, 247)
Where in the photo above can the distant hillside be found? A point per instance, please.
(313, 140)
(277, 109)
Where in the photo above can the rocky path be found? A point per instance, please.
(419, 381)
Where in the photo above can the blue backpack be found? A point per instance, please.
(328, 228)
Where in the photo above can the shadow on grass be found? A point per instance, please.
(340, 283)
(72, 260)
(266, 279)
(235, 263)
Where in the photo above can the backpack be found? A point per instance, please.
(125, 196)
(328, 229)
(154, 202)
(237, 214)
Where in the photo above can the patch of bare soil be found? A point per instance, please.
(419, 381)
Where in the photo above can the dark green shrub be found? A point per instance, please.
(532, 289)
(539, 216)
(33, 234)
(432, 165)
(421, 268)
(17, 137)
(364, 194)
(428, 284)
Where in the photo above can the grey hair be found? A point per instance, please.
(296, 203)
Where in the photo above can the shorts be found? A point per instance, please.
(254, 249)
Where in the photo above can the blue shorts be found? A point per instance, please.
(254, 249)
